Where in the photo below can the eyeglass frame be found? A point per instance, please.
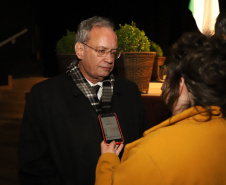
(117, 54)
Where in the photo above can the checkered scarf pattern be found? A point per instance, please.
(88, 91)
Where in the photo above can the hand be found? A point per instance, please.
(111, 148)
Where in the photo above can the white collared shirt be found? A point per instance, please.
(99, 94)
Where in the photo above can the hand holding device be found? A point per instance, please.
(111, 148)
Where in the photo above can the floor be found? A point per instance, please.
(8, 151)
(12, 102)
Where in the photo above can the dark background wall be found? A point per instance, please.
(33, 54)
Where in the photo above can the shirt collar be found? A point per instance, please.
(98, 83)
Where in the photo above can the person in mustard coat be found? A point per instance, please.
(190, 147)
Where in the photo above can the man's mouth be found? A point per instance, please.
(106, 68)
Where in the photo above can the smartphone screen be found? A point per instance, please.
(110, 128)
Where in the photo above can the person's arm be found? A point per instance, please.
(138, 168)
(105, 168)
(35, 163)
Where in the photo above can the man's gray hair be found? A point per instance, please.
(85, 27)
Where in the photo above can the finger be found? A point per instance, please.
(112, 145)
(103, 144)
(121, 146)
(119, 149)
(116, 147)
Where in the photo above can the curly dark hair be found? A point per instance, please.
(201, 61)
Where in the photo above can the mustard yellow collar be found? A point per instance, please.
(198, 112)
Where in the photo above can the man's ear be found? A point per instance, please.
(79, 50)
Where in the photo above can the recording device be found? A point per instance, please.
(110, 128)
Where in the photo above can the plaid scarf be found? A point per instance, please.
(88, 91)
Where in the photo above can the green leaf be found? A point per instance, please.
(66, 43)
(156, 48)
(131, 38)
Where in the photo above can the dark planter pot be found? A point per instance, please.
(136, 67)
(64, 61)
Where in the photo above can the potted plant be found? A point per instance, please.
(159, 61)
(65, 51)
(136, 60)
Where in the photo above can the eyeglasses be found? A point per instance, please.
(104, 52)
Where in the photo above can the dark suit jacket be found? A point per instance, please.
(60, 135)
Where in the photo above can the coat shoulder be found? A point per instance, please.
(54, 82)
(124, 85)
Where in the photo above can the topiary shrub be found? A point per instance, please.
(132, 39)
(156, 48)
(66, 43)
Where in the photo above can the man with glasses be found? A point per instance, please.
(61, 135)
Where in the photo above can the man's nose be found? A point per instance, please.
(109, 58)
